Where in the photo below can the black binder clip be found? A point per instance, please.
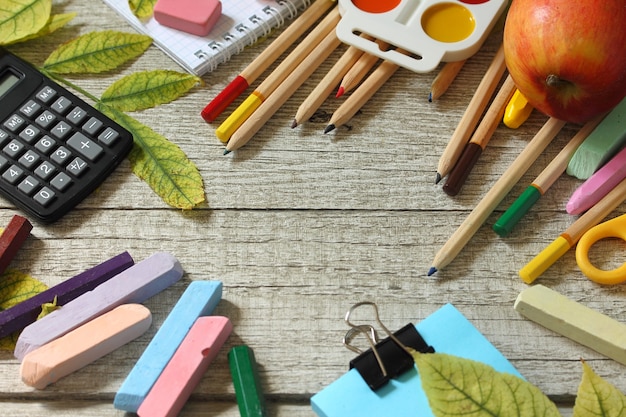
(387, 358)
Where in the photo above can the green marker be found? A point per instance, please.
(246, 380)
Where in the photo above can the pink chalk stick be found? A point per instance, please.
(598, 185)
(84, 345)
(192, 16)
(185, 370)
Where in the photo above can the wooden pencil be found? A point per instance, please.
(269, 84)
(358, 71)
(480, 138)
(362, 95)
(297, 77)
(323, 89)
(444, 79)
(494, 196)
(472, 114)
(266, 58)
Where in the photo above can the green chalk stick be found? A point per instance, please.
(513, 214)
(601, 145)
(245, 375)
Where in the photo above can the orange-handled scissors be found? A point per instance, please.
(612, 228)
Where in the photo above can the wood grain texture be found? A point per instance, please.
(299, 226)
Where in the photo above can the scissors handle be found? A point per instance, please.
(613, 228)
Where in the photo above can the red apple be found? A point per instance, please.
(568, 57)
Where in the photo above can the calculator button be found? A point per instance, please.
(44, 196)
(61, 130)
(109, 136)
(45, 170)
(62, 105)
(76, 116)
(61, 181)
(77, 167)
(61, 155)
(13, 149)
(13, 174)
(30, 109)
(3, 162)
(45, 119)
(92, 126)
(85, 146)
(30, 134)
(46, 94)
(28, 185)
(4, 137)
(45, 145)
(14, 123)
(29, 159)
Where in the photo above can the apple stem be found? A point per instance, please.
(557, 82)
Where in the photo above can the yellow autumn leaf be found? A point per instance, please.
(22, 18)
(598, 398)
(55, 22)
(457, 387)
(146, 89)
(96, 52)
(143, 9)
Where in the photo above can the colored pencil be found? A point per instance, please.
(358, 71)
(472, 114)
(494, 196)
(480, 139)
(444, 79)
(266, 58)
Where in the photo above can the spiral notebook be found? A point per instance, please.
(241, 24)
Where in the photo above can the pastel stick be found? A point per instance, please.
(186, 368)
(133, 285)
(601, 145)
(84, 345)
(21, 315)
(199, 299)
(12, 238)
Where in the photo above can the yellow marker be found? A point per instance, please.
(237, 117)
(517, 111)
(544, 259)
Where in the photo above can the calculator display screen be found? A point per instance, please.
(7, 80)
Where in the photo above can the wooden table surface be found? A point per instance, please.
(299, 226)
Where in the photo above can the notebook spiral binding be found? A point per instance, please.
(260, 25)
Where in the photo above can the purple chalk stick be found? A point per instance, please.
(21, 315)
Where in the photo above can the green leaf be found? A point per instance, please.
(143, 90)
(22, 18)
(143, 9)
(16, 287)
(55, 22)
(162, 164)
(596, 397)
(96, 52)
(462, 387)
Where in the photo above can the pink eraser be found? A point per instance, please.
(84, 345)
(192, 16)
(185, 370)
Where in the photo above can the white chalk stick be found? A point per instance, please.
(84, 345)
(573, 320)
(185, 370)
(133, 285)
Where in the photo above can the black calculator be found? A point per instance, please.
(55, 149)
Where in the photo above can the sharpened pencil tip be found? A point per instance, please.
(294, 124)
(431, 271)
(430, 97)
(340, 92)
(226, 151)
(329, 128)
(437, 178)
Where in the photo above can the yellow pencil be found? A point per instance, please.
(265, 89)
(297, 77)
(472, 114)
(444, 79)
(494, 196)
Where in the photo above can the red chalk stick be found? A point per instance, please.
(12, 239)
(21, 315)
(185, 370)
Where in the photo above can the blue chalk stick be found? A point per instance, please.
(199, 299)
(446, 330)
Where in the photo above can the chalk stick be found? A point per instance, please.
(12, 238)
(601, 145)
(84, 345)
(186, 368)
(199, 299)
(573, 320)
(192, 16)
(245, 374)
(133, 285)
(21, 315)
